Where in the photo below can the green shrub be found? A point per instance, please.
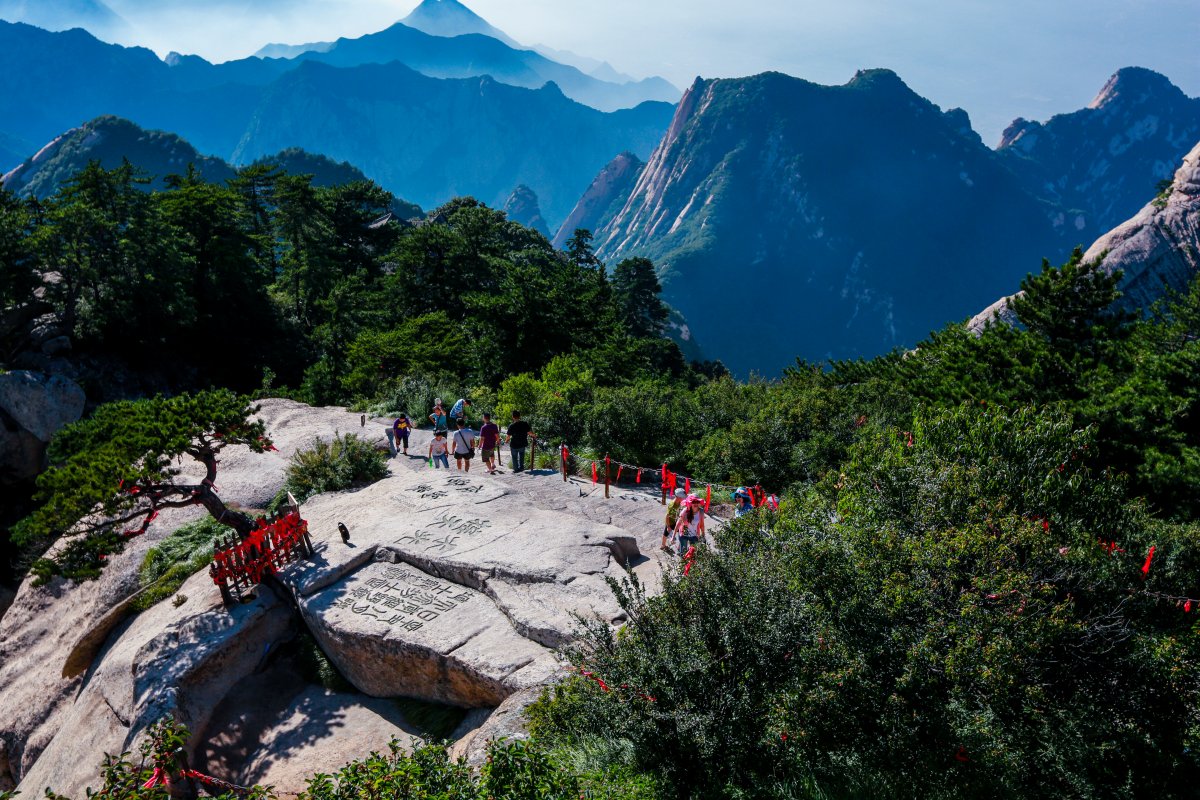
(172, 561)
(940, 620)
(345, 462)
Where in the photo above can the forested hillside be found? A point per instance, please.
(982, 580)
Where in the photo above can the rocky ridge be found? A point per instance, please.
(456, 588)
(1157, 251)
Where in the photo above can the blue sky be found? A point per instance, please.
(998, 60)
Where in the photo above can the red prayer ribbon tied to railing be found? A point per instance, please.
(267, 548)
(669, 480)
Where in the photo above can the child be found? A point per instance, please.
(690, 526)
(439, 450)
(672, 517)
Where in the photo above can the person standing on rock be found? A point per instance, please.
(690, 525)
(518, 441)
(400, 430)
(672, 517)
(489, 440)
(464, 446)
(438, 417)
(438, 449)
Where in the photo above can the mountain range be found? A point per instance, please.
(423, 138)
(61, 15)
(789, 218)
(110, 140)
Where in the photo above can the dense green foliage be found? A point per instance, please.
(172, 561)
(516, 770)
(120, 466)
(945, 620)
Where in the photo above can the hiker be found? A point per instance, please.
(459, 411)
(464, 446)
(690, 525)
(743, 505)
(400, 430)
(438, 417)
(672, 517)
(518, 441)
(438, 449)
(489, 439)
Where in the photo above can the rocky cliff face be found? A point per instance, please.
(1157, 251)
(457, 588)
(831, 221)
(603, 199)
(522, 208)
(1095, 167)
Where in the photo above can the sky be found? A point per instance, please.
(997, 59)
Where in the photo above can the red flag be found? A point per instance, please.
(594, 478)
(687, 485)
(708, 497)
(1149, 558)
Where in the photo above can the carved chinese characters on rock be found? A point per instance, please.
(403, 599)
(442, 534)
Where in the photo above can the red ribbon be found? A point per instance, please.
(687, 485)
(1149, 558)
(594, 478)
(1187, 607)
(688, 558)
(619, 468)
(708, 497)
(639, 477)
(158, 776)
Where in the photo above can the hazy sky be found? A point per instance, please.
(998, 59)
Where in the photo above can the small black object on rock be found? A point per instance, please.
(344, 531)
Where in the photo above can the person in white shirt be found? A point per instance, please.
(464, 446)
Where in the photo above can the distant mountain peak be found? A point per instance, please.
(1134, 85)
(452, 18)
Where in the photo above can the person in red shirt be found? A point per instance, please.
(489, 439)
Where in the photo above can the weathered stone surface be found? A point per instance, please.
(177, 660)
(40, 404)
(506, 722)
(518, 556)
(277, 729)
(50, 634)
(396, 631)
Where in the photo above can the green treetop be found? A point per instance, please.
(112, 473)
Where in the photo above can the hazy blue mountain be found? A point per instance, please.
(522, 207)
(474, 55)
(452, 18)
(1097, 166)
(422, 138)
(276, 50)
(60, 15)
(110, 140)
(430, 139)
(789, 218)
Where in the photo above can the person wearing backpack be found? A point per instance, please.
(464, 446)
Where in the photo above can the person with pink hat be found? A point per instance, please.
(690, 525)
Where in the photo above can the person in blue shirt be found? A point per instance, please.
(460, 409)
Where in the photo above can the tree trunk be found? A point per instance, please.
(242, 523)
